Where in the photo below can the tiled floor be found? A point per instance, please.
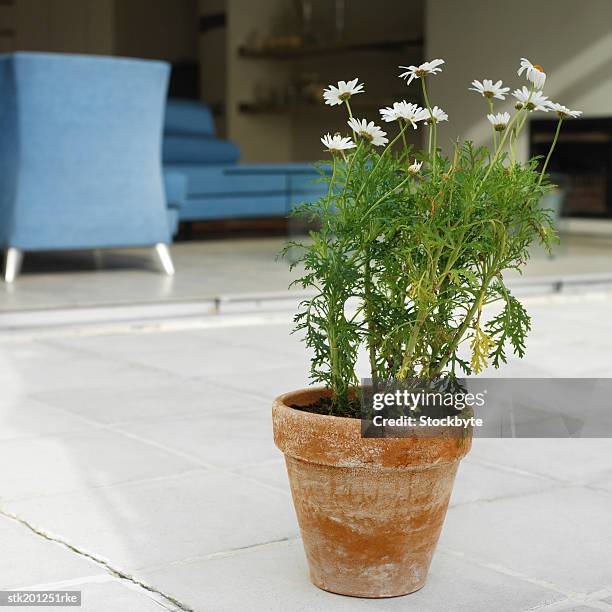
(139, 468)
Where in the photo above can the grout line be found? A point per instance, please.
(500, 569)
(100, 487)
(572, 597)
(598, 605)
(489, 500)
(519, 471)
(594, 487)
(256, 464)
(223, 554)
(587, 600)
(99, 561)
(194, 459)
(171, 418)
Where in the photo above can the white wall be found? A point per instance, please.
(571, 40)
(262, 138)
(295, 135)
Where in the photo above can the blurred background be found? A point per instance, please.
(150, 153)
(238, 119)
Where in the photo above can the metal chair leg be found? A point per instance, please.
(164, 257)
(12, 264)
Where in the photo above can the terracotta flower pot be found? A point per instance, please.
(370, 509)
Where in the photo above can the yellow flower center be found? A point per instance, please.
(538, 67)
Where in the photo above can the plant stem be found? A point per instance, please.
(414, 336)
(348, 108)
(498, 151)
(387, 148)
(350, 170)
(331, 180)
(404, 138)
(450, 351)
(432, 126)
(367, 280)
(490, 103)
(386, 195)
(476, 306)
(552, 148)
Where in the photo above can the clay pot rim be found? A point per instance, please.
(337, 441)
(313, 393)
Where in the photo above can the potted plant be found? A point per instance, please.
(410, 250)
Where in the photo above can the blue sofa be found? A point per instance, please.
(218, 187)
(80, 167)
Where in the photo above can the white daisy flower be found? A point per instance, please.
(534, 72)
(337, 95)
(417, 72)
(389, 113)
(337, 143)
(489, 89)
(563, 111)
(415, 167)
(403, 110)
(535, 101)
(499, 121)
(437, 115)
(371, 132)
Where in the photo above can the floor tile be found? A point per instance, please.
(143, 402)
(49, 368)
(478, 482)
(561, 536)
(221, 439)
(568, 460)
(56, 464)
(27, 558)
(150, 523)
(273, 473)
(25, 417)
(268, 384)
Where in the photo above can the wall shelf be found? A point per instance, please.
(308, 50)
(260, 108)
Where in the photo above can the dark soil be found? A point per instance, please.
(324, 406)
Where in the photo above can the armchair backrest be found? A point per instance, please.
(80, 159)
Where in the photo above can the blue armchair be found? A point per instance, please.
(80, 155)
